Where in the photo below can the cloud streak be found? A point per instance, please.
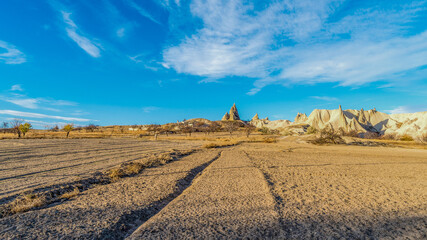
(325, 98)
(142, 11)
(17, 87)
(12, 54)
(83, 42)
(43, 116)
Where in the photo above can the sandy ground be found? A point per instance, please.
(34, 163)
(110, 211)
(231, 199)
(285, 190)
(346, 192)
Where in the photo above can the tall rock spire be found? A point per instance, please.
(234, 114)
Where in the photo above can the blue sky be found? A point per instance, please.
(155, 61)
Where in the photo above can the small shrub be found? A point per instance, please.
(328, 136)
(406, 138)
(311, 130)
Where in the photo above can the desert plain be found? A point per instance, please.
(284, 189)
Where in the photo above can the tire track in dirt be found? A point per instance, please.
(157, 206)
(229, 199)
(279, 201)
(110, 211)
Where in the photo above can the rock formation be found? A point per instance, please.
(234, 114)
(256, 117)
(226, 117)
(300, 118)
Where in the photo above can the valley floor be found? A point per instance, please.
(254, 190)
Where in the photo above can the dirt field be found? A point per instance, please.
(254, 190)
(34, 163)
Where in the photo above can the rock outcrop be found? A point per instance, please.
(300, 118)
(256, 117)
(226, 117)
(234, 114)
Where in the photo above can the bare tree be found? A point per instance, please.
(5, 126)
(231, 126)
(214, 127)
(155, 129)
(55, 129)
(91, 127)
(249, 129)
(187, 129)
(15, 124)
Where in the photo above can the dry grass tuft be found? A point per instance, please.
(220, 144)
(27, 202)
(71, 194)
(328, 136)
(116, 173)
(134, 168)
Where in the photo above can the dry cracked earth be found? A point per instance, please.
(285, 190)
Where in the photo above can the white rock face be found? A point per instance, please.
(413, 124)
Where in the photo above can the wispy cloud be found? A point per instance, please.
(142, 11)
(325, 98)
(85, 43)
(24, 101)
(150, 109)
(301, 42)
(17, 87)
(407, 109)
(39, 115)
(31, 103)
(12, 54)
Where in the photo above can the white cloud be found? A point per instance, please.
(142, 11)
(357, 62)
(36, 103)
(303, 42)
(39, 115)
(150, 109)
(17, 87)
(12, 54)
(406, 109)
(325, 98)
(26, 103)
(86, 44)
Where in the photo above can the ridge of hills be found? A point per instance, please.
(360, 121)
